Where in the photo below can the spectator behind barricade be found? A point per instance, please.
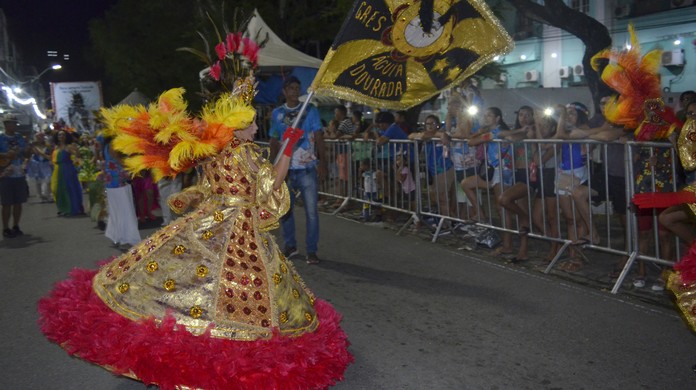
(685, 99)
(65, 185)
(39, 167)
(439, 168)
(466, 159)
(387, 130)
(495, 172)
(612, 174)
(371, 192)
(344, 129)
(515, 198)
(362, 148)
(358, 123)
(408, 185)
(572, 172)
(400, 119)
(544, 214)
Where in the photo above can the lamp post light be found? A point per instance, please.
(52, 67)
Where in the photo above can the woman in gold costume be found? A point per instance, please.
(209, 301)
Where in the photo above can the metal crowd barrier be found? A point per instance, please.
(436, 201)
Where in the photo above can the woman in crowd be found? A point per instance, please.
(65, 185)
(545, 209)
(466, 159)
(122, 224)
(496, 169)
(515, 198)
(572, 171)
(39, 167)
(440, 172)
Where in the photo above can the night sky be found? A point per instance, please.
(40, 25)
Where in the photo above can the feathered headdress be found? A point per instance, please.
(637, 80)
(165, 139)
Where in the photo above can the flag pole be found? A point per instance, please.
(295, 123)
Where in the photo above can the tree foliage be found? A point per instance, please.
(135, 43)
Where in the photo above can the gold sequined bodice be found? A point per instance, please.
(225, 176)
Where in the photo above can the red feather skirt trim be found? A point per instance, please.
(169, 356)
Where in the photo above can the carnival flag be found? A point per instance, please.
(397, 53)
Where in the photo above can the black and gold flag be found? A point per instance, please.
(397, 53)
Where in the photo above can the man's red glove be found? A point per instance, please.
(292, 135)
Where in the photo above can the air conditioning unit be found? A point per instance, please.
(565, 72)
(531, 75)
(579, 70)
(622, 11)
(681, 3)
(673, 57)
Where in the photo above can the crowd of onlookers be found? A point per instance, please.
(458, 159)
(66, 166)
(531, 185)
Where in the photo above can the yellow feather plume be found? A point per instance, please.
(166, 140)
(231, 111)
(173, 100)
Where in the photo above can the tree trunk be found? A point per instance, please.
(590, 31)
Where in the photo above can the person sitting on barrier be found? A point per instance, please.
(496, 170)
(612, 177)
(439, 168)
(545, 209)
(572, 172)
(464, 158)
(524, 167)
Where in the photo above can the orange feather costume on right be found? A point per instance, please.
(640, 107)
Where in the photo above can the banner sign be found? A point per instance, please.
(76, 103)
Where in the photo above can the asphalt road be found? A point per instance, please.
(419, 316)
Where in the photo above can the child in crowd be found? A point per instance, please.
(405, 179)
(371, 194)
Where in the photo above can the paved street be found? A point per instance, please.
(419, 316)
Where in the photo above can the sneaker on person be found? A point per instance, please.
(7, 233)
(16, 231)
(638, 282)
(290, 252)
(312, 258)
(659, 285)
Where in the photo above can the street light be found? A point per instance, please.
(52, 67)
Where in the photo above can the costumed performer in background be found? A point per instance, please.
(640, 107)
(209, 301)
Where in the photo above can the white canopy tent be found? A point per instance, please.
(276, 53)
